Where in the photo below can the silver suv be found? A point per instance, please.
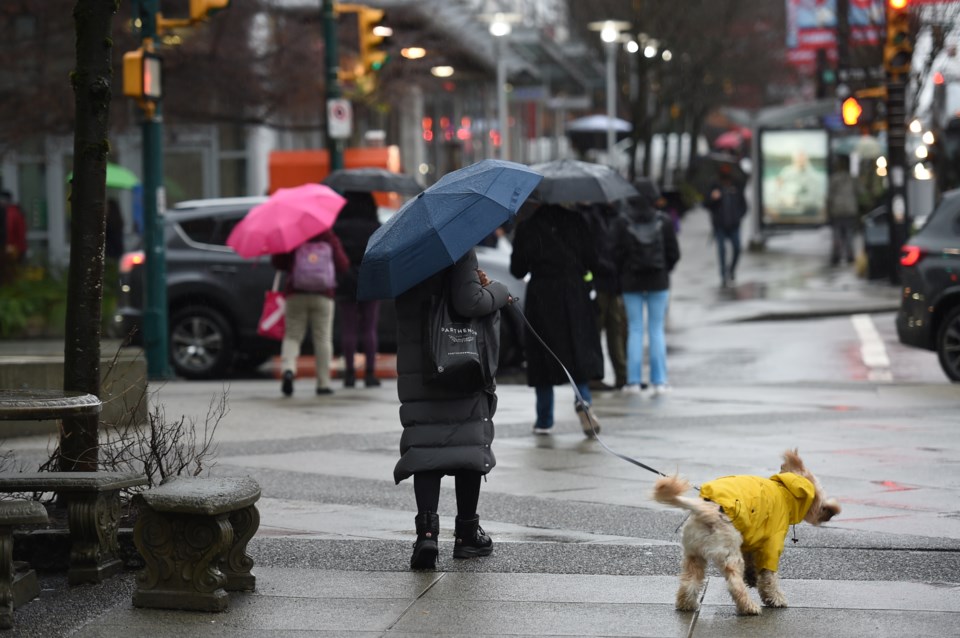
(214, 296)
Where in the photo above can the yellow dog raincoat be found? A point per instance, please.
(762, 510)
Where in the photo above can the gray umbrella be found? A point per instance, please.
(568, 180)
(371, 179)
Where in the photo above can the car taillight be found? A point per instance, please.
(910, 255)
(130, 260)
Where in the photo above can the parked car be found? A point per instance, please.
(929, 315)
(214, 296)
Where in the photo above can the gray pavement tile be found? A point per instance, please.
(307, 583)
(555, 588)
(496, 618)
(722, 622)
(220, 631)
(855, 595)
(252, 612)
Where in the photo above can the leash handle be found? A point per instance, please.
(581, 403)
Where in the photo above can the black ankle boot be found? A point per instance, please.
(349, 378)
(471, 540)
(425, 549)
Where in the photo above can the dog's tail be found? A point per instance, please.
(669, 491)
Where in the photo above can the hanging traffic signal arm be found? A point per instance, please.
(200, 10)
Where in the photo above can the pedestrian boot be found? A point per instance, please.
(470, 539)
(371, 380)
(349, 378)
(425, 549)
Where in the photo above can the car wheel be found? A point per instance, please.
(201, 343)
(948, 344)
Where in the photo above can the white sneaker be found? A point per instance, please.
(631, 388)
(661, 389)
(542, 431)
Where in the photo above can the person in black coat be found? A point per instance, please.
(645, 281)
(553, 246)
(355, 224)
(445, 431)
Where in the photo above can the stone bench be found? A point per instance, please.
(93, 515)
(18, 583)
(192, 533)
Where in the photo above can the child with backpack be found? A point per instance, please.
(645, 251)
(311, 281)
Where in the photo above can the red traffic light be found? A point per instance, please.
(898, 5)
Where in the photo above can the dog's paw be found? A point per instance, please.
(775, 599)
(687, 606)
(749, 608)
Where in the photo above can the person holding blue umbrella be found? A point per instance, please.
(424, 250)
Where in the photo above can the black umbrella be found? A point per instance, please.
(372, 179)
(568, 180)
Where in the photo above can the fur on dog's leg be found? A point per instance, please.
(733, 572)
(692, 572)
(768, 584)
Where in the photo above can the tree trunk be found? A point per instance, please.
(91, 81)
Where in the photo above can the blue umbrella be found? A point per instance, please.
(439, 226)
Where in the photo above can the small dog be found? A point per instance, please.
(740, 523)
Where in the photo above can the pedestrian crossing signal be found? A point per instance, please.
(851, 111)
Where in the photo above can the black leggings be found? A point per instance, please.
(426, 487)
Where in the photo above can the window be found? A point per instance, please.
(199, 230)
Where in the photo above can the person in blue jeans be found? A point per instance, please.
(645, 251)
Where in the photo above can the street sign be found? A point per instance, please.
(339, 118)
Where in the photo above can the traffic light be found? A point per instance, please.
(898, 50)
(200, 9)
(141, 75)
(851, 111)
(372, 58)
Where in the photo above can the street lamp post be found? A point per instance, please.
(500, 28)
(610, 34)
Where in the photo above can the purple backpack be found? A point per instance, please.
(313, 269)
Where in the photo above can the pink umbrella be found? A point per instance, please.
(730, 140)
(289, 218)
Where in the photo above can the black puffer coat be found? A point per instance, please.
(555, 247)
(640, 212)
(445, 430)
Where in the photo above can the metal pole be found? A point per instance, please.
(332, 60)
(155, 320)
(502, 108)
(897, 171)
(611, 98)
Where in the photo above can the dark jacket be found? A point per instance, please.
(443, 430)
(355, 224)
(553, 245)
(284, 261)
(601, 219)
(727, 211)
(630, 281)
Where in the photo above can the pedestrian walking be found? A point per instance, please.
(549, 246)
(611, 318)
(13, 238)
(842, 210)
(645, 251)
(446, 431)
(355, 224)
(312, 268)
(728, 207)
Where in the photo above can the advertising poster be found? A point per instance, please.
(794, 177)
(812, 25)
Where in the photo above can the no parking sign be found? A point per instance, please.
(339, 118)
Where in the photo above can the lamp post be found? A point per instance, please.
(610, 34)
(501, 24)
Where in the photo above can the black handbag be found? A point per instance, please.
(462, 353)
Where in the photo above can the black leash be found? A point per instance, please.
(581, 404)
